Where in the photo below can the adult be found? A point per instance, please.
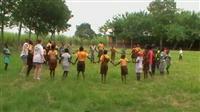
(38, 59)
(52, 56)
(24, 54)
(100, 49)
(29, 58)
(150, 59)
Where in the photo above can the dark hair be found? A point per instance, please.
(30, 42)
(67, 50)
(81, 48)
(6, 45)
(39, 41)
(123, 56)
(105, 52)
(53, 46)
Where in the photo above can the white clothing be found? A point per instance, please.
(38, 56)
(65, 61)
(24, 51)
(139, 65)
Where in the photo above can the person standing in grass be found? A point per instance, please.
(6, 56)
(162, 62)
(81, 57)
(24, 54)
(113, 51)
(29, 58)
(150, 59)
(124, 69)
(168, 61)
(104, 59)
(180, 54)
(92, 53)
(61, 51)
(52, 56)
(38, 59)
(100, 49)
(66, 60)
(139, 65)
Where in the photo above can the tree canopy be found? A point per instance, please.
(85, 31)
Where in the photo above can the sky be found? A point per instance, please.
(97, 12)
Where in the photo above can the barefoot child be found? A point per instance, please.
(53, 55)
(124, 69)
(66, 60)
(168, 61)
(104, 59)
(139, 65)
(113, 51)
(6, 57)
(81, 57)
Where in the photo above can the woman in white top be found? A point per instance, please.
(24, 54)
(38, 59)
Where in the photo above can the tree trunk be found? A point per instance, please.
(29, 34)
(19, 33)
(191, 44)
(175, 45)
(2, 30)
(161, 42)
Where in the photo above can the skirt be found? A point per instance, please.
(66, 67)
(52, 64)
(104, 68)
(6, 59)
(124, 70)
(81, 66)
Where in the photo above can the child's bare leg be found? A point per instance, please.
(6, 66)
(78, 75)
(83, 75)
(122, 78)
(125, 79)
(105, 78)
(101, 78)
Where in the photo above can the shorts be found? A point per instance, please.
(104, 68)
(81, 66)
(124, 70)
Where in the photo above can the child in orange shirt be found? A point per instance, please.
(124, 69)
(104, 59)
(52, 56)
(81, 57)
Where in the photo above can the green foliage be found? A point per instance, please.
(85, 31)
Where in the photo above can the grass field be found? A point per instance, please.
(177, 92)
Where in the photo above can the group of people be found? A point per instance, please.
(146, 60)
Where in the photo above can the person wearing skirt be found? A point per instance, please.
(66, 60)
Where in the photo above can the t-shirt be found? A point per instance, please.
(123, 62)
(104, 58)
(139, 65)
(52, 54)
(81, 55)
(66, 57)
(150, 56)
(38, 54)
(181, 52)
(24, 51)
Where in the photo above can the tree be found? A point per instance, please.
(6, 7)
(85, 31)
(163, 13)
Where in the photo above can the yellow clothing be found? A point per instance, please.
(81, 55)
(123, 62)
(52, 54)
(104, 58)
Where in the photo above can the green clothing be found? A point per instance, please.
(6, 55)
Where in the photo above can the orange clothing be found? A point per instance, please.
(30, 48)
(81, 55)
(123, 62)
(52, 54)
(104, 58)
(101, 46)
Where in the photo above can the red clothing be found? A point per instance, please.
(150, 56)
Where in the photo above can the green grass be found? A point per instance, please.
(177, 92)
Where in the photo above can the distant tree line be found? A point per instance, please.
(39, 16)
(164, 24)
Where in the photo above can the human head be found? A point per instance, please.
(67, 50)
(123, 56)
(81, 48)
(105, 52)
(30, 42)
(53, 46)
(39, 41)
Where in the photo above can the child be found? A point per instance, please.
(162, 62)
(124, 69)
(180, 54)
(139, 65)
(53, 55)
(81, 57)
(6, 57)
(29, 58)
(92, 51)
(168, 61)
(61, 51)
(113, 51)
(145, 63)
(24, 54)
(100, 50)
(104, 59)
(66, 60)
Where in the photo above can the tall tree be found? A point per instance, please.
(85, 31)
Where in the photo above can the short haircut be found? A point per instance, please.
(105, 52)
(81, 48)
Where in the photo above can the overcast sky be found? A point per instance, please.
(96, 12)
